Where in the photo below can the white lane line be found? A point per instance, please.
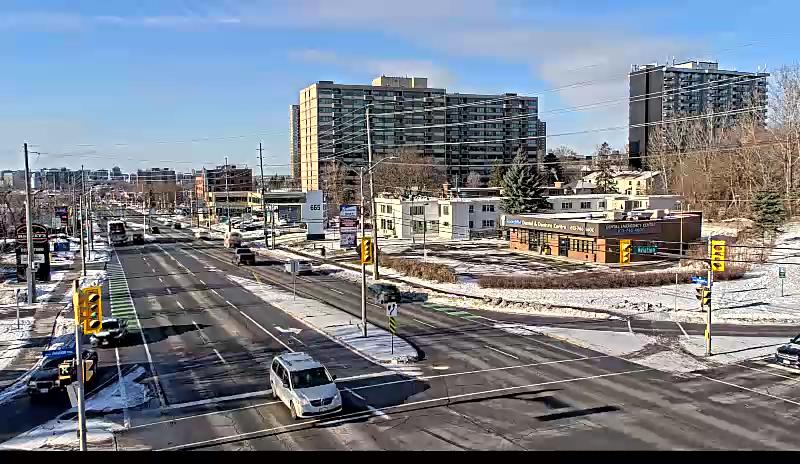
(156, 381)
(213, 413)
(230, 304)
(179, 304)
(161, 280)
(682, 329)
(297, 340)
(265, 330)
(424, 323)
(168, 290)
(367, 376)
(630, 329)
(201, 281)
(767, 372)
(358, 415)
(750, 390)
(501, 352)
(334, 290)
(374, 410)
(123, 393)
(215, 292)
(240, 396)
(220, 356)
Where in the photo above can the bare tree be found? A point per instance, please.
(563, 151)
(409, 172)
(337, 192)
(473, 180)
(785, 121)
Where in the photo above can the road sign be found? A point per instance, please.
(645, 249)
(57, 353)
(393, 325)
(782, 272)
(391, 309)
(699, 280)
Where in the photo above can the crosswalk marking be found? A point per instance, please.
(121, 303)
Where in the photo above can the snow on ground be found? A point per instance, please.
(13, 338)
(119, 395)
(62, 435)
(657, 352)
(336, 324)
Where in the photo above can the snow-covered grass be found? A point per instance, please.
(61, 435)
(334, 323)
(13, 338)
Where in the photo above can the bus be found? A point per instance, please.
(117, 234)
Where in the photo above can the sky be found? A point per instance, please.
(182, 84)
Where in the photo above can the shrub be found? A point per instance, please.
(414, 268)
(605, 279)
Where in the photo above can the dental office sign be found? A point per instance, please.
(554, 225)
(631, 228)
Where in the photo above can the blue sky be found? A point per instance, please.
(185, 83)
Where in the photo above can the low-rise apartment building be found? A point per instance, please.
(631, 182)
(611, 202)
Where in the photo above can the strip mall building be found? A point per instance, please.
(594, 237)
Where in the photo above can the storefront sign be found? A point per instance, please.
(553, 225)
(348, 225)
(630, 228)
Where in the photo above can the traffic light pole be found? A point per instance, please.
(79, 368)
(363, 266)
(708, 315)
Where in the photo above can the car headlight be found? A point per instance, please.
(304, 401)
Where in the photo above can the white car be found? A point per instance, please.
(304, 385)
(202, 234)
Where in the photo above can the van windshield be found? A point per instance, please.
(310, 378)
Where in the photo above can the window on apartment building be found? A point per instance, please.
(383, 223)
(566, 205)
(487, 223)
(383, 208)
(471, 224)
(388, 208)
(601, 204)
(586, 204)
(445, 210)
(418, 210)
(488, 208)
(637, 204)
(390, 224)
(471, 209)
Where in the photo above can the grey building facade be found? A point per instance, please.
(294, 141)
(659, 93)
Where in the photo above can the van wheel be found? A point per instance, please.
(293, 410)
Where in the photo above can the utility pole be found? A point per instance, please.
(91, 226)
(227, 196)
(363, 266)
(710, 287)
(83, 221)
(375, 274)
(263, 199)
(30, 276)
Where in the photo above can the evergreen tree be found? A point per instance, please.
(768, 212)
(605, 179)
(552, 167)
(498, 172)
(522, 187)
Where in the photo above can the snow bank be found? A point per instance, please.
(336, 324)
(62, 435)
(12, 338)
(125, 394)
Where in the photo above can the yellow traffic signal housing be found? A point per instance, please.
(366, 251)
(718, 255)
(704, 295)
(90, 309)
(624, 251)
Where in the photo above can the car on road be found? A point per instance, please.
(113, 331)
(155, 230)
(789, 354)
(304, 385)
(202, 234)
(244, 256)
(167, 223)
(303, 266)
(233, 239)
(177, 225)
(137, 238)
(384, 293)
(59, 370)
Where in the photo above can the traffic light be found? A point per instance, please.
(89, 309)
(704, 296)
(718, 255)
(366, 251)
(624, 251)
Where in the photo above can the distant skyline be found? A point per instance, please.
(182, 84)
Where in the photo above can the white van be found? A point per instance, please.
(233, 239)
(304, 385)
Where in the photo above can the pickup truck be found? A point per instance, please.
(789, 354)
(59, 370)
(113, 330)
(244, 256)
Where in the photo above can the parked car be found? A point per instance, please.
(789, 354)
(384, 293)
(155, 230)
(244, 256)
(177, 225)
(202, 234)
(304, 385)
(303, 266)
(59, 370)
(113, 331)
(137, 238)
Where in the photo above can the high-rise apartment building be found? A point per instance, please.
(460, 132)
(294, 141)
(659, 93)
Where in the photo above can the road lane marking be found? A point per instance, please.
(372, 409)
(219, 356)
(215, 292)
(297, 340)
(359, 415)
(751, 390)
(231, 304)
(265, 330)
(682, 330)
(168, 290)
(425, 323)
(179, 304)
(220, 399)
(334, 290)
(766, 372)
(123, 393)
(161, 280)
(502, 352)
(630, 329)
(213, 413)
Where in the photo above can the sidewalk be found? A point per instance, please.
(335, 324)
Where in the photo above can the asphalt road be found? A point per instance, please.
(477, 386)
